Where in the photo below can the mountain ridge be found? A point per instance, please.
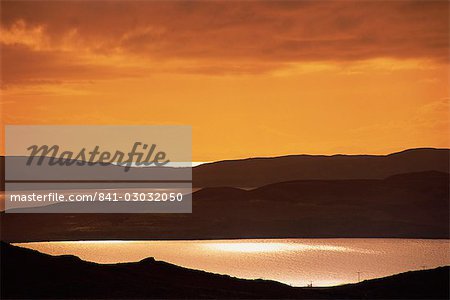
(259, 171)
(254, 172)
(412, 205)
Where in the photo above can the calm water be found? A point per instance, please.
(293, 261)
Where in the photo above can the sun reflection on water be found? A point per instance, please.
(296, 262)
(258, 247)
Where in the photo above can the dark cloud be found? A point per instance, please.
(21, 65)
(225, 34)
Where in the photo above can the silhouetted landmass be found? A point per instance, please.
(32, 275)
(424, 284)
(255, 172)
(413, 205)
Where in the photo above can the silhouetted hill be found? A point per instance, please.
(409, 285)
(255, 172)
(29, 274)
(411, 205)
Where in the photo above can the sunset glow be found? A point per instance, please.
(252, 78)
(325, 262)
(198, 149)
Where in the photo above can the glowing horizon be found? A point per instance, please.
(254, 79)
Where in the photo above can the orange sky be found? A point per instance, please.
(253, 78)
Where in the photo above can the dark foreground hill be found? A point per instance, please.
(29, 274)
(411, 205)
